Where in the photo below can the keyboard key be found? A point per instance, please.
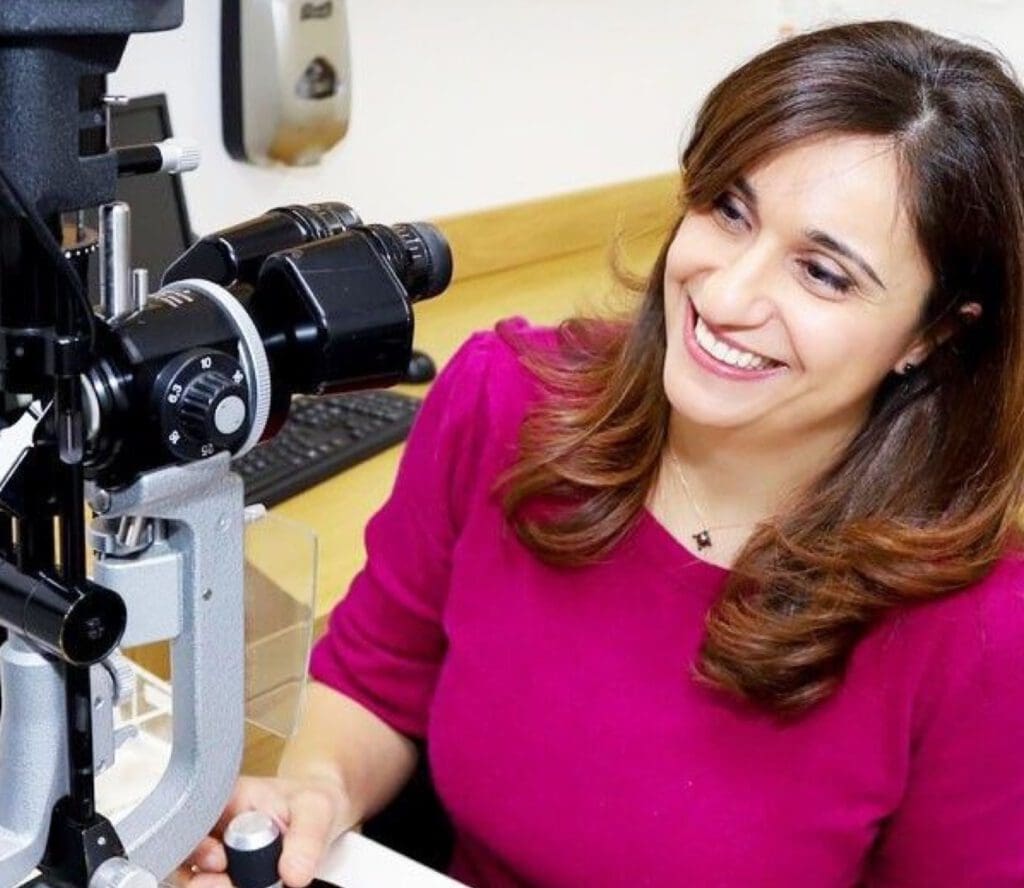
(322, 437)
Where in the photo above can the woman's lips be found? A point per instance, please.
(712, 364)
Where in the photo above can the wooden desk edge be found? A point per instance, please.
(520, 234)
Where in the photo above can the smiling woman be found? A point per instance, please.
(836, 324)
(822, 392)
(727, 592)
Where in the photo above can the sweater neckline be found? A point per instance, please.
(675, 554)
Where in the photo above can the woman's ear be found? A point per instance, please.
(914, 356)
(969, 312)
(922, 346)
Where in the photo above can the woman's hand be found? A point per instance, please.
(341, 764)
(311, 813)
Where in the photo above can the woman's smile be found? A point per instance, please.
(723, 357)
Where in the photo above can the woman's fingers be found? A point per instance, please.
(209, 860)
(310, 827)
(209, 856)
(253, 794)
(189, 875)
(310, 814)
(209, 880)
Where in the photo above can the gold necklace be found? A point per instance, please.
(703, 536)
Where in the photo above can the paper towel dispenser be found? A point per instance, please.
(285, 79)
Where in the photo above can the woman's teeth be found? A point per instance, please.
(728, 354)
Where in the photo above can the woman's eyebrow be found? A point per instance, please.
(815, 235)
(745, 188)
(830, 243)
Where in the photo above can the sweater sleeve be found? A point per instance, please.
(385, 640)
(961, 821)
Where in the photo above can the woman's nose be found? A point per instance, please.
(738, 291)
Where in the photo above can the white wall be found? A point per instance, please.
(998, 24)
(465, 104)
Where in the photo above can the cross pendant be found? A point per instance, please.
(703, 540)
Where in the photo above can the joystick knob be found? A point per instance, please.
(253, 844)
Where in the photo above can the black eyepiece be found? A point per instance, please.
(317, 221)
(418, 254)
(236, 254)
(430, 259)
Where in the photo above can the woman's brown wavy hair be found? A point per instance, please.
(925, 498)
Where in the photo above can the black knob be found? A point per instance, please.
(212, 408)
(201, 403)
(253, 845)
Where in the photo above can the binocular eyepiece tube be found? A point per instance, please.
(302, 300)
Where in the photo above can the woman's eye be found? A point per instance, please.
(839, 283)
(727, 208)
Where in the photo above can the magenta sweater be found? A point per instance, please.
(570, 744)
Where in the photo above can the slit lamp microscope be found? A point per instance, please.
(136, 409)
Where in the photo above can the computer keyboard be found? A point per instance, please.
(324, 436)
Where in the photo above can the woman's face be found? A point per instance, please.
(791, 297)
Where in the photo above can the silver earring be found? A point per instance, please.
(909, 368)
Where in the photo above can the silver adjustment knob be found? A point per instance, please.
(123, 674)
(178, 155)
(117, 872)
